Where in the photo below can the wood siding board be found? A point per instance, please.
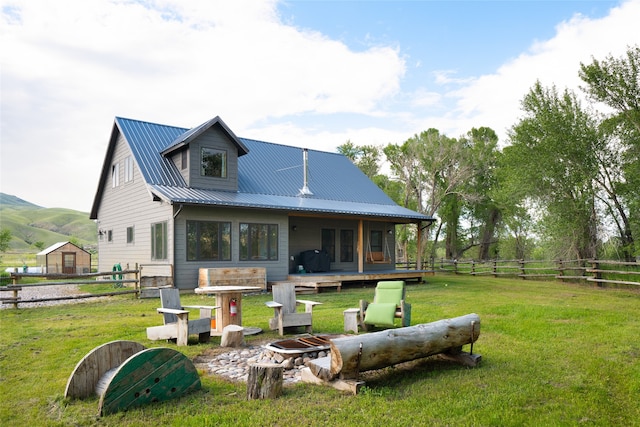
(129, 204)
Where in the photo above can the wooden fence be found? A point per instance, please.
(117, 278)
(597, 271)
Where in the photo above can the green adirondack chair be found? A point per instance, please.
(388, 304)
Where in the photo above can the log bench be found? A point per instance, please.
(351, 355)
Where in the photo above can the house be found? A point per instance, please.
(64, 258)
(198, 198)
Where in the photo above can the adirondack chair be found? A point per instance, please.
(388, 304)
(284, 307)
(177, 325)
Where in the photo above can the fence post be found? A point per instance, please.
(136, 285)
(473, 268)
(455, 266)
(596, 272)
(522, 270)
(495, 267)
(560, 270)
(14, 282)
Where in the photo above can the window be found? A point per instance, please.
(115, 175)
(208, 241)
(346, 245)
(258, 242)
(159, 240)
(329, 243)
(375, 241)
(109, 235)
(130, 234)
(214, 163)
(128, 169)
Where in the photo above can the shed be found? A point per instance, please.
(64, 258)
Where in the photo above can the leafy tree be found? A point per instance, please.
(366, 157)
(5, 239)
(615, 82)
(553, 162)
(433, 169)
(484, 213)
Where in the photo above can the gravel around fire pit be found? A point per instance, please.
(233, 363)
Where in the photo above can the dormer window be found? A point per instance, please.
(213, 163)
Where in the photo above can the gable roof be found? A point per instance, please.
(270, 176)
(57, 246)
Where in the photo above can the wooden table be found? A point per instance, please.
(224, 295)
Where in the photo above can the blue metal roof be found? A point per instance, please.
(270, 176)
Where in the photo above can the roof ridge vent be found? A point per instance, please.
(305, 191)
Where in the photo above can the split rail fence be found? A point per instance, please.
(118, 278)
(600, 272)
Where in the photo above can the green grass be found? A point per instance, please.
(553, 354)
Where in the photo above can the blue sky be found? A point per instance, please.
(305, 73)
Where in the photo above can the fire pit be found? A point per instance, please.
(301, 344)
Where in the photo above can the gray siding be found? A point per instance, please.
(186, 272)
(213, 138)
(130, 205)
(176, 158)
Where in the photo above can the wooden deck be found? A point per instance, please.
(335, 279)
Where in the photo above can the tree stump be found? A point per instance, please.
(264, 381)
(232, 336)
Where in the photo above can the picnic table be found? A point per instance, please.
(229, 299)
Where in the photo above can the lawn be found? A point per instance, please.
(553, 354)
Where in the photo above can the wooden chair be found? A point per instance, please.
(177, 325)
(388, 304)
(284, 306)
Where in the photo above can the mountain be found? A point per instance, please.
(30, 224)
(9, 200)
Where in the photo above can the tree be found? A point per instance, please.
(615, 82)
(482, 144)
(553, 162)
(366, 157)
(433, 169)
(5, 239)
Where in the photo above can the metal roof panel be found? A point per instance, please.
(270, 176)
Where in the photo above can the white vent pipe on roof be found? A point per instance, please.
(304, 191)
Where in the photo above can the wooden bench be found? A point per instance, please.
(233, 276)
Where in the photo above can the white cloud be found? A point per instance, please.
(69, 67)
(494, 100)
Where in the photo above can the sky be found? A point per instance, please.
(311, 74)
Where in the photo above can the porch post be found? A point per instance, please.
(360, 249)
(419, 246)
